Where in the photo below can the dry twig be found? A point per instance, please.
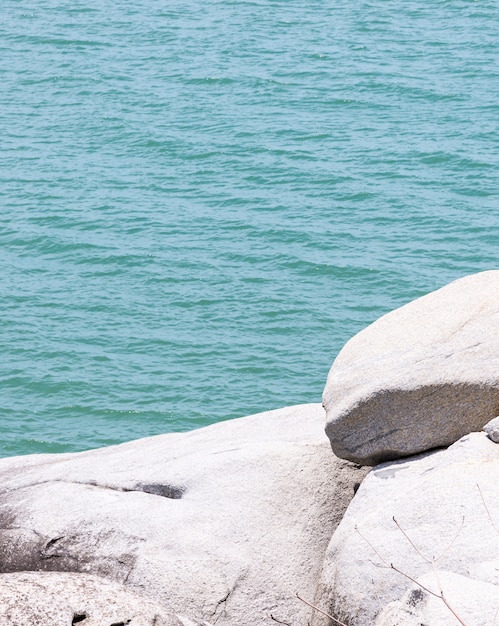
(432, 562)
(316, 608)
(487, 509)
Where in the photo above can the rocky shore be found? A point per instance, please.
(256, 520)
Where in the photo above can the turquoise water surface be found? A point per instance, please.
(202, 201)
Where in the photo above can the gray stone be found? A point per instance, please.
(222, 524)
(492, 429)
(436, 511)
(475, 603)
(62, 599)
(420, 377)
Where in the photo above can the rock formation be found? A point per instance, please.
(436, 511)
(222, 524)
(63, 599)
(420, 377)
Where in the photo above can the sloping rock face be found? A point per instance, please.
(437, 511)
(420, 377)
(60, 599)
(222, 524)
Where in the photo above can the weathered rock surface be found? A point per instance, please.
(62, 599)
(420, 377)
(222, 524)
(441, 507)
(492, 429)
(474, 601)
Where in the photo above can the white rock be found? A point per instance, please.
(420, 377)
(474, 601)
(492, 429)
(446, 509)
(223, 524)
(62, 599)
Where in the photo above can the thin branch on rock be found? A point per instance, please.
(431, 562)
(487, 509)
(316, 608)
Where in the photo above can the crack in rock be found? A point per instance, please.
(223, 603)
(45, 552)
(163, 490)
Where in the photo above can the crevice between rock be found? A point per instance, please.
(164, 490)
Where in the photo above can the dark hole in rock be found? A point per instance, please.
(165, 491)
(356, 487)
(121, 623)
(416, 596)
(78, 617)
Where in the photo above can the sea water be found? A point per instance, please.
(201, 202)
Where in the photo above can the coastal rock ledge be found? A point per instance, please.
(420, 377)
(221, 525)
